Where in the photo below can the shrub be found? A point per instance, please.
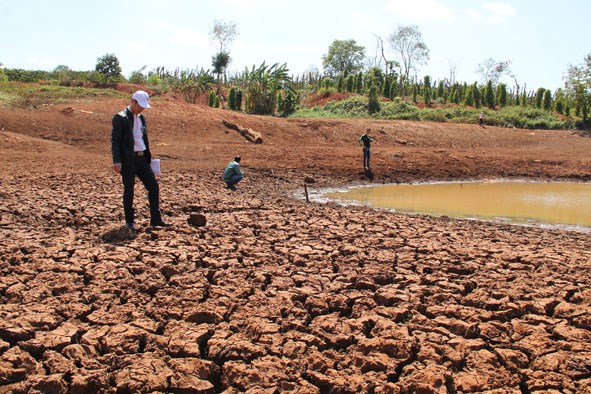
(232, 98)
(238, 100)
(211, 98)
(373, 104)
(137, 78)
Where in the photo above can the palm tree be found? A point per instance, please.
(220, 62)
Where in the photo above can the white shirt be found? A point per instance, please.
(138, 134)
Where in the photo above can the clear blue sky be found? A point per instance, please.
(541, 38)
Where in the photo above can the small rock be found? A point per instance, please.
(197, 219)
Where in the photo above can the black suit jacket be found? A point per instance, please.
(122, 138)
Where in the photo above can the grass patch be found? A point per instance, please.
(519, 117)
(27, 95)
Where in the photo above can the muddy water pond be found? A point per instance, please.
(541, 203)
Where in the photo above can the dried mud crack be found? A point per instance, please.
(275, 295)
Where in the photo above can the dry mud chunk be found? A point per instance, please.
(16, 365)
(55, 363)
(431, 379)
(142, 373)
(484, 372)
(337, 332)
(57, 339)
(185, 338)
(263, 372)
(574, 365)
(84, 356)
(333, 381)
(38, 384)
(119, 339)
(548, 381)
(225, 346)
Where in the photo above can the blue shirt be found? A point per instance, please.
(232, 169)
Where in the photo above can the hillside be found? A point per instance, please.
(274, 294)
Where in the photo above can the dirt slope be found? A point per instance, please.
(274, 295)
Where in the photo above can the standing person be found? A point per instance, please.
(233, 174)
(365, 141)
(481, 118)
(132, 157)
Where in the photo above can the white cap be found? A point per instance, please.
(142, 98)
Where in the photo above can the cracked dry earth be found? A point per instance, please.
(275, 295)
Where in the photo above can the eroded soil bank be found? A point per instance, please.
(274, 294)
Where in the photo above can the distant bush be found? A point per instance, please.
(399, 110)
(24, 95)
(519, 117)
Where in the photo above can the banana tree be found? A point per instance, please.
(194, 83)
(262, 85)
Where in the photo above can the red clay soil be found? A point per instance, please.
(273, 294)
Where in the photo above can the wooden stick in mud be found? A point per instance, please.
(306, 192)
(246, 132)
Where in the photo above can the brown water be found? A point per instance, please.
(553, 203)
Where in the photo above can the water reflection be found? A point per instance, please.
(521, 202)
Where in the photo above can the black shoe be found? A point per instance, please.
(159, 223)
(129, 226)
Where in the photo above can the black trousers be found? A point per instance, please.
(140, 168)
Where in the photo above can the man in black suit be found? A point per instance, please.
(132, 157)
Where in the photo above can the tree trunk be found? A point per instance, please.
(248, 133)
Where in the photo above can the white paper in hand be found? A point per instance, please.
(155, 165)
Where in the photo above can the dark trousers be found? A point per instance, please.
(365, 157)
(234, 180)
(141, 169)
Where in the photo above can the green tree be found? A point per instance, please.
(327, 83)
(393, 90)
(539, 97)
(427, 90)
(138, 77)
(359, 83)
(108, 66)
(232, 98)
(350, 82)
(340, 83)
(490, 95)
(559, 101)
(501, 94)
(547, 105)
(407, 43)
(477, 96)
(238, 100)
(262, 84)
(222, 33)
(524, 99)
(469, 98)
(211, 98)
(376, 77)
(344, 56)
(386, 87)
(373, 104)
(220, 62)
(441, 90)
(287, 104)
